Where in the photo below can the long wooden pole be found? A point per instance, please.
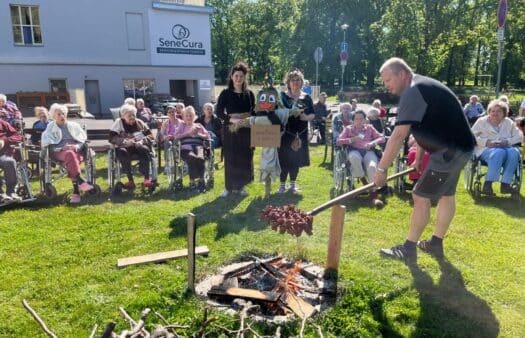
(355, 192)
(191, 252)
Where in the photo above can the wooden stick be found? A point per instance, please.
(267, 186)
(93, 331)
(191, 252)
(335, 236)
(160, 256)
(38, 320)
(355, 192)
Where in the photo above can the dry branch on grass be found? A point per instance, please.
(167, 330)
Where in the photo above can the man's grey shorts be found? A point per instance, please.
(441, 175)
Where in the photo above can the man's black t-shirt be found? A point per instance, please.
(435, 115)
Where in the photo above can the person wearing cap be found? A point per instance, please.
(321, 112)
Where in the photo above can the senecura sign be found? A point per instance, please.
(180, 38)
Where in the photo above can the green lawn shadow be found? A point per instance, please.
(448, 307)
(219, 211)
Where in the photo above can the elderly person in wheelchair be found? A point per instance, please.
(192, 137)
(66, 142)
(495, 135)
(133, 140)
(9, 137)
(360, 139)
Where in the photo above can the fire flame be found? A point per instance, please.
(290, 283)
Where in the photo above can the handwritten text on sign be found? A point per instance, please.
(265, 135)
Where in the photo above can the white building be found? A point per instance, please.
(104, 51)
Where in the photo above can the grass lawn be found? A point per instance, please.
(62, 259)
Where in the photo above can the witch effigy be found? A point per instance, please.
(269, 109)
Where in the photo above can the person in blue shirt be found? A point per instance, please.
(307, 88)
(473, 109)
(41, 123)
(42, 115)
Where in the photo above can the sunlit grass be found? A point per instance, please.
(62, 259)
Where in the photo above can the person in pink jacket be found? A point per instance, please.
(362, 139)
(192, 136)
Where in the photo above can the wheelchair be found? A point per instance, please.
(176, 168)
(343, 180)
(474, 172)
(23, 174)
(115, 171)
(48, 177)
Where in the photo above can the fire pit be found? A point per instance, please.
(277, 289)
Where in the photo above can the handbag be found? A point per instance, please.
(296, 143)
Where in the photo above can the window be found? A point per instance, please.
(26, 25)
(135, 31)
(57, 85)
(138, 87)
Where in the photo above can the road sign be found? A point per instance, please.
(502, 13)
(343, 56)
(500, 34)
(318, 55)
(344, 46)
(343, 62)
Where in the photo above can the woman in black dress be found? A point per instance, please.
(293, 152)
(234, 106)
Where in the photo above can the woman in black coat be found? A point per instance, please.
(294, 153)
(234, 106)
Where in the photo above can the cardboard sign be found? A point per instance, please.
(265, 135)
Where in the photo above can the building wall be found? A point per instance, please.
(108, 41)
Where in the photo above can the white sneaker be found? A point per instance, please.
(15, 197)
(282, 189)
(243, 192)
(225, 193)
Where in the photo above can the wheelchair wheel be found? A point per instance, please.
(469, 176)
(177, 185)
(95, 191)
(339, 172)
(50, 191)
(477, 189)
(399, 182)
(209, 183)
(117, 189)
(22, 191)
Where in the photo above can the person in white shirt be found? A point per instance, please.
(495, 136)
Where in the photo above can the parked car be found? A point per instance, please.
(159, 102)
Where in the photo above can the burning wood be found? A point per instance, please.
(288, 219)
(279, 287)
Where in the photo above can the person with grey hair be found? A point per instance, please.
(145, 114)
(9, 137)
(129, 100)
(473, 109)
(373, 117)
(133, 140)
(179, 107)
(432, 113)
(212, 124)
(495, 135)
(293, 152)
(341, 119)
(10, 113)
(67, 142)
